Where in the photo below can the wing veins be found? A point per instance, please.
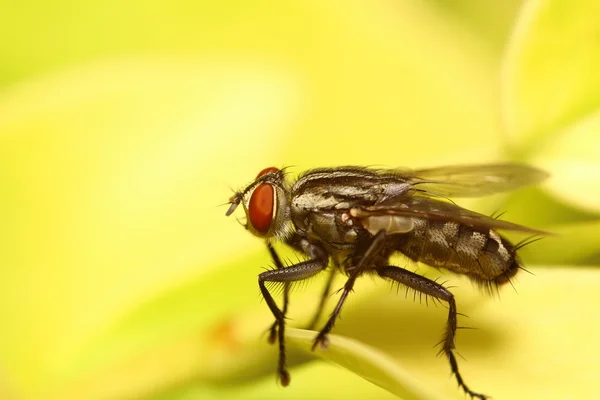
(473, 180)
(436, 210)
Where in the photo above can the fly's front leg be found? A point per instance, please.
(431, 288)
(293, 273)
(365, 260)
(286, 293)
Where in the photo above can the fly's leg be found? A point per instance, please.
(321, 338)
(431, 288)
(364, 262)
(324, 297)
(297, 272)
(286, 293)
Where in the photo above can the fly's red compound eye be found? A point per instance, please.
(266, 171)
(260, 208)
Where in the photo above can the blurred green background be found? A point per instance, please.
(125, 125)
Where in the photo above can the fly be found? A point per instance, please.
(356, 218)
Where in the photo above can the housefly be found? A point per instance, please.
(356, 218)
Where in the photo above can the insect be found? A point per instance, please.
(356, 218)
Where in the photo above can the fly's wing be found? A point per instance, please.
(372, 192)
(472, 180)
(437, 210)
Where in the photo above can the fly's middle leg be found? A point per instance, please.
(364, 262)
(431, 288)
(324, 297)
(293, 273)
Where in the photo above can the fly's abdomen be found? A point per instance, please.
(482, 255)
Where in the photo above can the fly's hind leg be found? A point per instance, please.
(431, 288)
(293, 273)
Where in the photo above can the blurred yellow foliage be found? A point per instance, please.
(123, 127)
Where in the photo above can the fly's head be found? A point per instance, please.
(266, 203)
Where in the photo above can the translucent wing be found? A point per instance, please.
(473, 180)
(432, 209)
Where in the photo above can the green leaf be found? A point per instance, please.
(317, 380)
(490, 20)
(574, 244)
(550, 74)
(401, 84)
(367, 362)
(573, 160)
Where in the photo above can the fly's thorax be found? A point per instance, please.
(324, 189)
(333, 228)
(338, 191)
(323, 199)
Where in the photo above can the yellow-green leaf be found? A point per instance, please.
(550, 72)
